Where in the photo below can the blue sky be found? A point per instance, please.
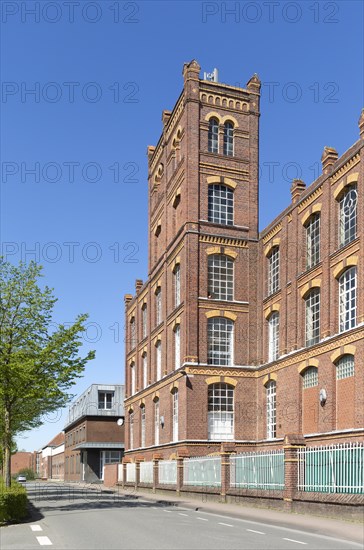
(102, 74)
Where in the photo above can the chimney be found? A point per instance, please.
(127, 299)
(138, 285)
(297, 188)
(191, 70)
(166, 115)
(254, 84)
(361, 124)
(328, 159)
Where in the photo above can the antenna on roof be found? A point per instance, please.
(212, 77)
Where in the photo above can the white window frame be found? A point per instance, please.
(313, 240)
(175, 415)
(213, 136)
(158, 348)
(220, 337)
(156, 422)
(273, 331)
(348, 208)
(220, 204)
(158, 305)
(131, 430)
(132, 333)
(105, 401)
(177, 285)
(228, 145)
(220, 277)
(142, 425)
(132, 378)
(144, 320)
(345, 367)
(177, 346)
(348, 299)
(310, 378)
(220, 412)
(271, 395)
(273, 270)
(312, 321)
(145, 370)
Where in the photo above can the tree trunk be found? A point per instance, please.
(7, 449)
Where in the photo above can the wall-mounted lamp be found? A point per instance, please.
(323, 397)
(162, 421)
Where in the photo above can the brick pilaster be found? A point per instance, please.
(292, 444)
(226, 450)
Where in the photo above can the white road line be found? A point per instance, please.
(259, 532)
(203, 519)
(298, 541)
(44, 541)
(180, 513)
(168, 511)
(227, 524)
(36, 528)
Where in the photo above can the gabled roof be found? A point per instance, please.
(56, 441)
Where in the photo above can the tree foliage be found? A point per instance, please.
(38, 363)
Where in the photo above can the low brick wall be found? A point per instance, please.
(110, 475)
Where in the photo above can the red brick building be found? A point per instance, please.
(238, 335)
(23, 460)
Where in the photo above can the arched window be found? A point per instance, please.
(158, 348)
(348, 215)
(312, 304)
(221, 204)
(132, 378)
(220, 412)
(156, 422)
(271, 392)
(213, 137)
(177, 285)
(273, 270)
(220, 341)
(131, 429)
(220, 277)
(175, 415)
(345, 367)
(347, 299)
(132, 333)
(313, 241)
(142, 426)
(144, 320)
(273, 345)
(145, 370)
(310, 377)
(228, 139)
(158, 305)
(177, 346)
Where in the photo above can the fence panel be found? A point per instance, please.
(257, 470)
(146, 472)
(130, 473)
(167, 471)
(120, 472)
(202, 471)
(332, 468)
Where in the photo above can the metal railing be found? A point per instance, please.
(120, 472)
(146, 472)
(202, 471)
(167, 472)
(332, 468)
(257, 470)
(130, 473)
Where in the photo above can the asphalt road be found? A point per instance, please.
(70, 517)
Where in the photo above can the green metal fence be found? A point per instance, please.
(202, 471)
(332, 468)
(257, 470)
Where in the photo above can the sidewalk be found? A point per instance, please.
(335, 528)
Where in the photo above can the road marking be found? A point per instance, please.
(180, 513)
(36, 528)
(168, 511)
(227, 524)
(298, 541)
(44, 541)
(203, 519)
(259, 532)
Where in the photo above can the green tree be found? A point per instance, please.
(38, 362)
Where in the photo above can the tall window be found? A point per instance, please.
(158, 305)
(144, 320)
(142, 426)
(145, 370)
(345, 367)
(132, 377)
(348, 215)
(220, 277)
(213, 136)
(156, 422)
(177, 347)
(312, 317)
(131, 430)
(347, 299)
(220, 341)
(132, 333)
(177, 285)
(159, 359)
(273, 270)
(175, 414)
(220, 412)
(106, 399)
(221, 204)
(273, 324)
(228, 139)
(271, 392)
(310, 378)
(313, 241)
